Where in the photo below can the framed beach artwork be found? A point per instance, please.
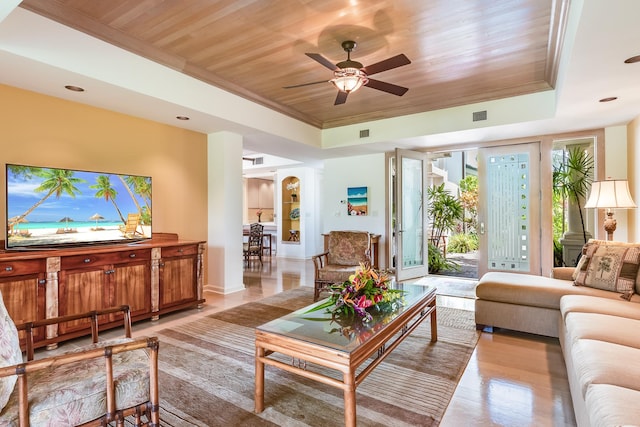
(356, 201)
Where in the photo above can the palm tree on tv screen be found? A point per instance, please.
(141, 186)
(55, 182)
(106, 191)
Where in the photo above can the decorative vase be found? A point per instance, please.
(259, 217)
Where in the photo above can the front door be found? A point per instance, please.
(509, 208)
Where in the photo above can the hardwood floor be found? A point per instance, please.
(512, 379)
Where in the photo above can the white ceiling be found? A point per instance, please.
(40, 55)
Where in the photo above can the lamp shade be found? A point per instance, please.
(349, 79)
(610, 194)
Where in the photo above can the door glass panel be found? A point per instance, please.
(412, 213)
(508, 220)
(409, 219)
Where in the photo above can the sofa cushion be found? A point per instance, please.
(593, 304)
(10, 353)
(610, 405)
(599, 362)
(532, 290)
(603, 327)
(75, 393)
(609, 267)
(348, 247)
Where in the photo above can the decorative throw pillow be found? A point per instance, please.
(609, 267)
(583, 259)
(10, 353)
(591, 242)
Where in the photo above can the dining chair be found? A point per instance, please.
(254, 246)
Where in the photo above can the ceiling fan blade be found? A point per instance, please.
(322, 60)
(387, 87)
(305, 84)
(387, 64)
(341, 98)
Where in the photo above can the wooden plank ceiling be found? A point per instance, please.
(461, 51)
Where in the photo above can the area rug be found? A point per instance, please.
(207, 373)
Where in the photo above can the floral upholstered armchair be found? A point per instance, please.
(345, 251)
(102, 383)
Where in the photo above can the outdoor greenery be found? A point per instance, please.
(454, 216)
(444, 211)
(438, 262)
(469, 201)
(462, 243)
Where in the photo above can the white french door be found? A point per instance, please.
(410, 215)
(509, 208)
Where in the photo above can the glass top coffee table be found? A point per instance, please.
(340, 344)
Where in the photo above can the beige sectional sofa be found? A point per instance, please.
(598, 330)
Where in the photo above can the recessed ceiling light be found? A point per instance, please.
(632, 60)
(609, 99)
(182, 117)
(74, 88)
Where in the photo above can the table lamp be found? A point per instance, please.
(610, 194)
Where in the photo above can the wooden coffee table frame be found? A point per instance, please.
(347, 363)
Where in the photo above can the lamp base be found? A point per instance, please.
(610, 225)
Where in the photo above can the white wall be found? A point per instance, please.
(359, 171)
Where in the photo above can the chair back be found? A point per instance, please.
(348, 247)
(255, 235)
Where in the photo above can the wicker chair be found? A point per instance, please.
(102, 383)
(346, 250)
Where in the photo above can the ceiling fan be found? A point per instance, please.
(350, 76)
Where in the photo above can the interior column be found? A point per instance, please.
(224, 251)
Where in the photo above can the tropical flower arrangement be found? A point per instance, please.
(366, 291)
(356, 330)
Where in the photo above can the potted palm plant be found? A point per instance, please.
(572, 177)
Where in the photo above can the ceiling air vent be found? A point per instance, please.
(258, 160)
(480, 115)
(364, 133)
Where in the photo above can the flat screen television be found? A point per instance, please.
(48, 208)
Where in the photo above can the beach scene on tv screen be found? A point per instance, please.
(49, 207)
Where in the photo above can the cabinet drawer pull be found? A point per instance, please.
(42, 281)
(109, 271)
(9, 268)
(87, 260)
(180, 250)
(132, 255)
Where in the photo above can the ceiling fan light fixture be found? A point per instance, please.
(349, 79)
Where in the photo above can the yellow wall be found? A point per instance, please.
(41, 130)
(633, 159)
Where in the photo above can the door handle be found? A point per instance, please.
(482, 228)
